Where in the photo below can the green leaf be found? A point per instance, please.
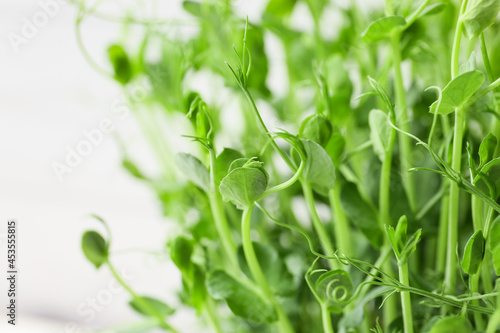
(243, 301)
(95, 248)
(479, 15)
(279, 278)
(401, 230)
(362, 214)
(487, 149)
(488, 178)
(280, 8)
(397, 237)
(316, 128)
(410, 247)
(121, 64)
(248, 162)
(319, 169)
(452, 324)
(151, 307)
(382, 28)
(194, 170)
(473, 253)
(198, 290)
(223, 161)
(458, 91)
(472, 162)
(433, 9)
(494, 243)
(243, 185)
(132, 168)
(335, 289)
(336, 148)
(380, 132)
(469, 65)
(181, 250)
(192, 7)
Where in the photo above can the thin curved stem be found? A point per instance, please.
(140, 301)
(255, 269)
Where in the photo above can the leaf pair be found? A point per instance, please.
(402, 246)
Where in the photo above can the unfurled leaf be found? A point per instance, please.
(278, 277)
(382, 28)
(335, 289)
(487, 149)
(319, 169)
(243, 301)
(151, 307)
(458, 91)
(479, 15)
(316, 128)
(181, 250)
(362, 214)
(380, 132)
(95, 248)
(243, 185)
(410, 247)
(473, 253)
(452, 324)
(398, 237)
(194, 170)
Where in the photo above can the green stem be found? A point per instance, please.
(341, 224)
(494, 321)
(474, 288)
(486, 266)
(442, 235)
(404, 141)
(219, 216)
(414, 16)
(451, 264)
(255, 269)
(140, 301)
(385, 182)
(212, 316)
(405, 299)
(317, 223)
(326, 319)
(492, 86)
(264, 130)
(390, 306)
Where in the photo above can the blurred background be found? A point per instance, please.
(51, 100)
